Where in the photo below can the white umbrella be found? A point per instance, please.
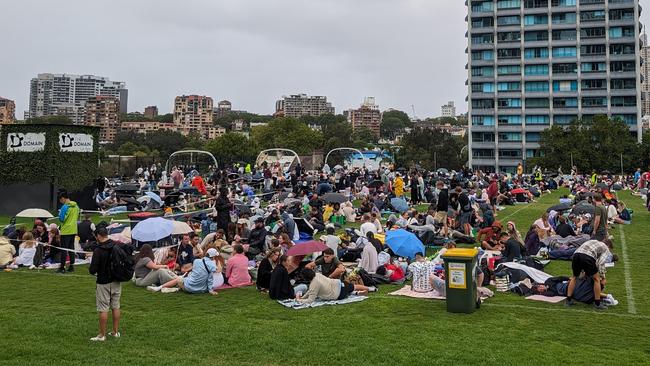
(152, 229)
(181, 227)
(35, 213)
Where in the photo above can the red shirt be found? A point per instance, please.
(199, 184)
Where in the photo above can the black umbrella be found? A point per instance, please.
(583, 209)
(559, 208)
(375, 184)
(243, 209)
(127, 188)
(334, 198)
(617, 187)
(602, 185)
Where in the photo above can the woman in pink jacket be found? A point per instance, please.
(237, 268)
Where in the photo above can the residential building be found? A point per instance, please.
(645, 74)
(146, 126)
(448, 110)
(366, 116)
(7, 110)
(224, 107)
(193, 113)
(303, 105)
(214, 132)
(151, 112)
(536, 63)
(103, 112)
(66, 94)
(238, 125)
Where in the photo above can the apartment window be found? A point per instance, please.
(622, 66)
(594, 102)
(482, 153)
(591, 2)
(483, 103)
(536, 70)
(509, 120)
(505, 53)
(482, 55)
(509, 20)
(509, 136)
(564, 119)
(620, 32)
(564, 52)
(508, 37)
(565, 102)
(537, 119)
(624, 101)
(509, 86)
(565, 35)
(509, 154)
(592, 16)
(483, 39)
(482, 22)
(623, 84)
(482, 71)
(532, 153)
(570, 68)
(509, 70)
(532, 36)
(563, 2)
(593, 67)
(509, 103)
(537, 86)
(483, 136)
(533, 136)
(482, 7)
(482, 121)
(531, 4)
(537, 103)
(508, 4)
(621, 14)
(483, 88)
(593, 49)
(535, 53)
(538, 19)
(598, 32)
(629, 119)
(563, 18)
(621, 49)
(565, 85)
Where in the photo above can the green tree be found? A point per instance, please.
(430, 149)
(128, 148)
(50, 120)
(393, 122)
(363, 138)
(231, 148)
(288, 133)
(194, 141)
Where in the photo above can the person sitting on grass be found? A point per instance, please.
(147, 272)
(421, 270)
(369, 253)
(265, 269)
(329, 264)
(563, 228)
(7, 252)
(199, 280)
(511, 249)
(280, 287)
(26, 252)
(489, 236)
(323, 288)
(237, 268)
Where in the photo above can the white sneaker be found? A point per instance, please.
(154, 288)
(32, 266)
(12, 266)
(169, 290)
(115, 335)
(372, 289)
(98, 338)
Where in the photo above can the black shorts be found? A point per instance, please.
(346, 290)
(582, 262)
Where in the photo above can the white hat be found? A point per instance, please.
(212, 253)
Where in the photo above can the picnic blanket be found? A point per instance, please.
(408, 292)
(549, 299)
(293, 304)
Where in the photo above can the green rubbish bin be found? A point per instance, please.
(461, 287)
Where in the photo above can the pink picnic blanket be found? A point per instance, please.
(549, 299)
(407, 291)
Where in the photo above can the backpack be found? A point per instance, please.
(121, 264)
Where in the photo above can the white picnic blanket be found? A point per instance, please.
(536, 275)
(293, 304)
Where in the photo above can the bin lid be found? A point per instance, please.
(461, 253)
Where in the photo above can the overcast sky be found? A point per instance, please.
(251, 52)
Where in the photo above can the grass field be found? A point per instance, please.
(47, 319)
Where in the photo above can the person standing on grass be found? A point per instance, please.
(600, 219)
(68, 215)
(108, 291)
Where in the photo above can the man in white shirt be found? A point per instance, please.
(367, 225)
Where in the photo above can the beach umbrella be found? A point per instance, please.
(154, 197)
(35, 213)
(399, 204)
(307, 247)
(334, 198)
(404, 243)
(559, 208)
(181, 227)
(152, 229)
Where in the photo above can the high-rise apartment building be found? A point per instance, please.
(7, 110)
(151, 112)
(65, 94)
(645, 73)
(303, 105)
(103, 112)
(448, 110)
(367, 115)
(193, 113)
(534, 63)
(224, 107)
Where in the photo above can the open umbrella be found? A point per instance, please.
(399, 204)
(602, 185)
(404, 243)
(334, 198)
(35, 213)
(338, 167)
(243, 209)
(559, 208)
(584, 209)
(181, 227)
(127, 188)
(375, 184)
(152, 229)
(519, 191)
(442, 171)
(617, 187)
(307, 247)
(154, 197)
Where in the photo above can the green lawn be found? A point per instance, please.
(47, 320)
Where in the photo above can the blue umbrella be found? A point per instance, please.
(154, 197)
(404, 243)
(152, 229)
(399, 204)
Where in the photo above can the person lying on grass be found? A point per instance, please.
(199, 280)
(323, 288)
